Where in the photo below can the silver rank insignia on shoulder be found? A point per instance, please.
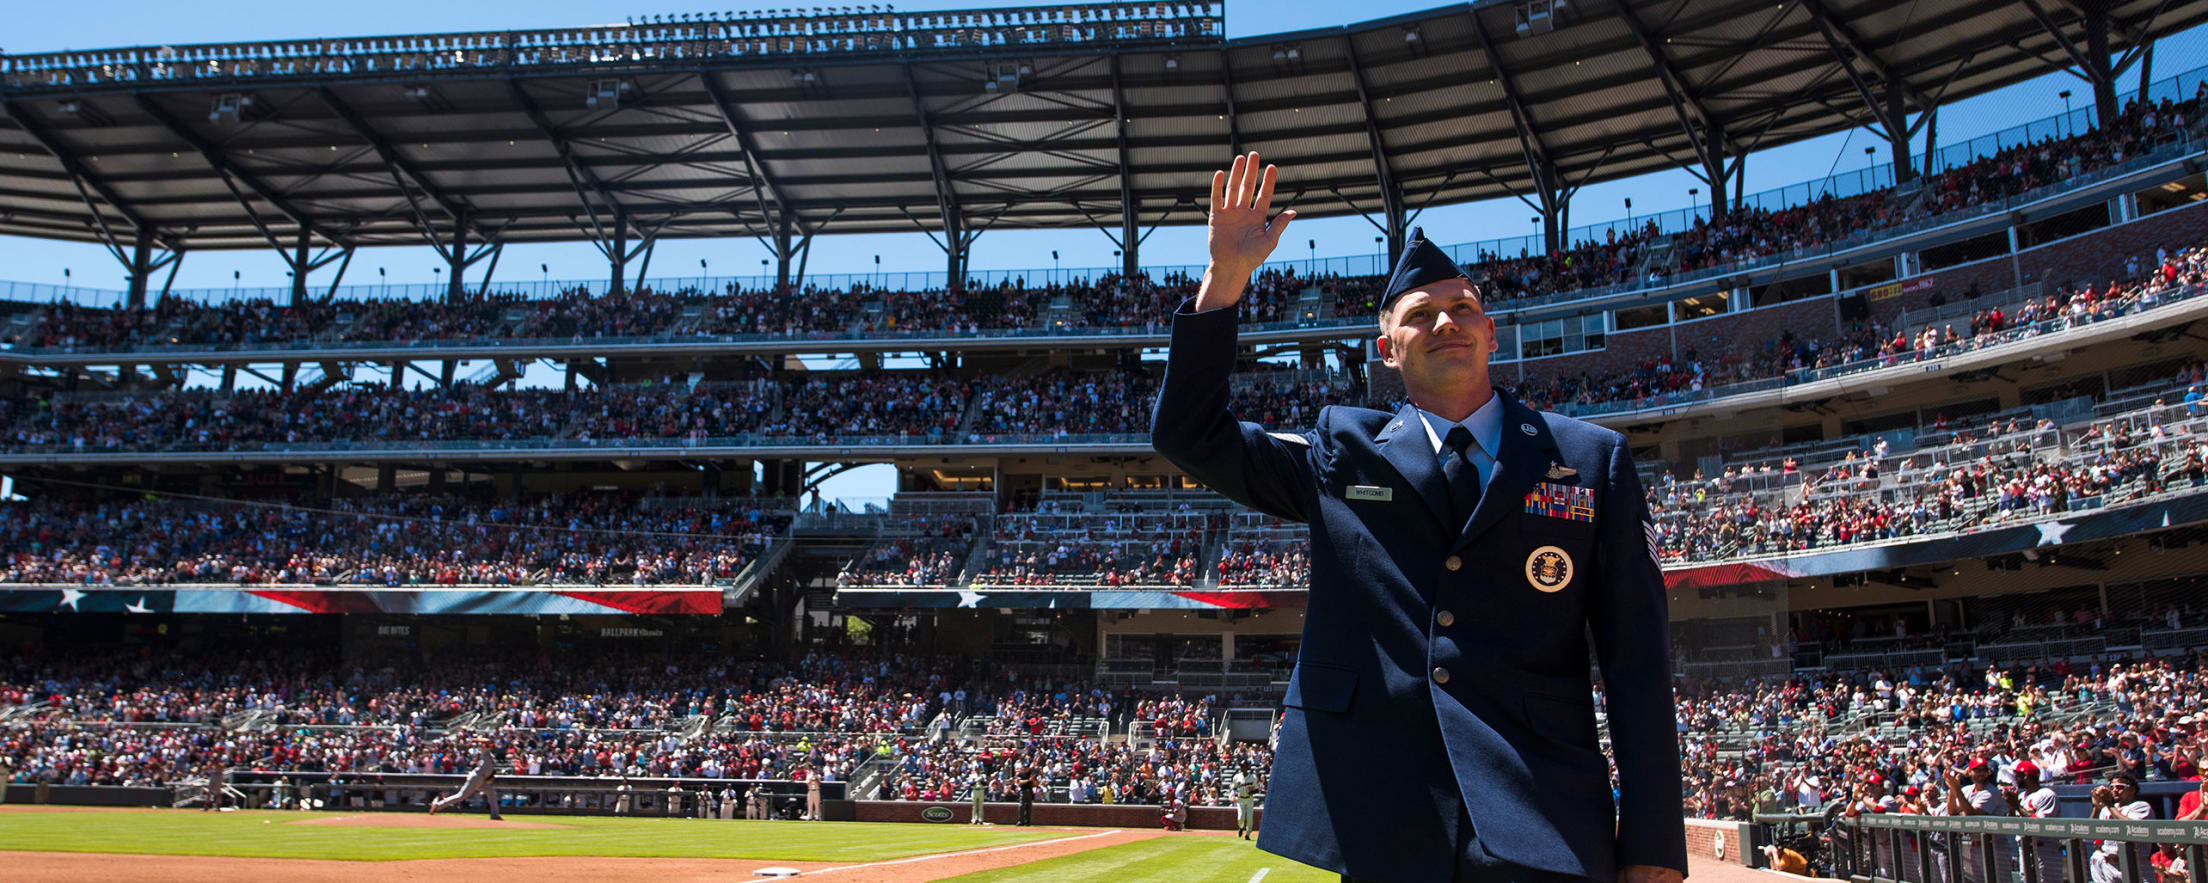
(1560, 471)
(1291, 438)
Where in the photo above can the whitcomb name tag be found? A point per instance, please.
(1368, 492)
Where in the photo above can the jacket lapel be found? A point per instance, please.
(1524, 460)
(1405, 445)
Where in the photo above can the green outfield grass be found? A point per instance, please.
(1178, 859)
(242, 834)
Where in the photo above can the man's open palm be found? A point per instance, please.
(1241, 198)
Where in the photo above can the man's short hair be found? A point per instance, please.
(2123, 779)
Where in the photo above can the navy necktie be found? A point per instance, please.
(1458, 471)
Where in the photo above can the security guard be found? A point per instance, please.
(1440, 723)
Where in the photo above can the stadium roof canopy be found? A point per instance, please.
(859, 120)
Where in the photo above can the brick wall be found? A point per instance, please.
(2097, 257)
(1703, 836)
(2100, 256)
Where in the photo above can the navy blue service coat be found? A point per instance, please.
(1445, 665)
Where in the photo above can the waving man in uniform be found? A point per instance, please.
(1440, 723)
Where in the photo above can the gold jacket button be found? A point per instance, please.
(1453, 563)
(1445, 619)
(1441, 675)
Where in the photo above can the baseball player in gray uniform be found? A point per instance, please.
(484, 781)
(978, 784)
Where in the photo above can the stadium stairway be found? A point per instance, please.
(755, 574)
(967, 418)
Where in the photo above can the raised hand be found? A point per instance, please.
(1240, 234)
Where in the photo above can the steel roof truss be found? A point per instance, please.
(232, 176)
(946, 198)
(83, 180)
(1836, 30)
(1391, 196)
(1684, 101)
(577, 173)
(763, 187)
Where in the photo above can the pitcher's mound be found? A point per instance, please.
(417, 820)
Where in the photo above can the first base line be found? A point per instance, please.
(926, 858)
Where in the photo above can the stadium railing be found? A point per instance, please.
(1983, 849)
(2035, 334)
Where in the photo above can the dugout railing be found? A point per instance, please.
(1895, 848)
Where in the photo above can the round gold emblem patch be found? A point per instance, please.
(1549, 568)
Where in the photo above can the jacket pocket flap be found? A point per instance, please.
(1321, 688)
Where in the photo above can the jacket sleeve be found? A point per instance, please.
(1632, 631)
(1193, 427)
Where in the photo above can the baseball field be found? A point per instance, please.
(46, 843)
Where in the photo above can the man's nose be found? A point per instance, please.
(1442, 320)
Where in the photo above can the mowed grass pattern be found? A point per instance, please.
(1177, 859)
(242, 834)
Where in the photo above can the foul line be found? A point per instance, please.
(1260, 875)
(925, 858)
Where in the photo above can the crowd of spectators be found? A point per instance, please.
(1950, 740)
(1113, 301)
(105, 719)
(1868, 345)
(1056, 404)
(1748, 233)
(1098, 549)
(389, 540)
(1970, 481)
(1063, 403)
(927, 551)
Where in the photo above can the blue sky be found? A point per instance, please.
(50, 27)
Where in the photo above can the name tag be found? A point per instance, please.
(1368, 492)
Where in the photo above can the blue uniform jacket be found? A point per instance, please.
(1446, 665)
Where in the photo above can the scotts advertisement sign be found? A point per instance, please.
(1892, 290)
(936, 814)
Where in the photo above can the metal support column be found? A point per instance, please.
(782, 251)
(2096, 51)
(1897, 136)
(301, 260)
(456, 259)
(1130, 222)
(141, 267)
(619, 254)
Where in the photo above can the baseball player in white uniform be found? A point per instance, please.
(1245, 805)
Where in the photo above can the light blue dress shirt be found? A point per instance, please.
(1486, 424)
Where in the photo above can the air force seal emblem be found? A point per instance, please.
(1549, 569)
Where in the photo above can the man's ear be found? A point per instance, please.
(1386, 348)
